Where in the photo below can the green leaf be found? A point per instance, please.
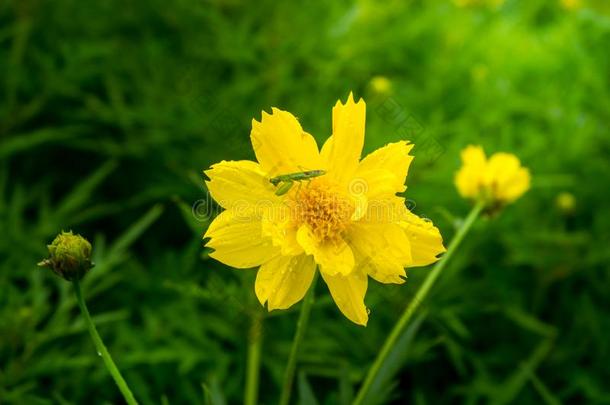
(306, 395)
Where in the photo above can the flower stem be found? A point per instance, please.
(101, 349)
(298, 337)
(254, 359)
(414, 304)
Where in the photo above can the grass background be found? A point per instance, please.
(110, 110)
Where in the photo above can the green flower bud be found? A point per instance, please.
(69, 256)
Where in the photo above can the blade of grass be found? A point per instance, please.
(381, 385)
(134, 232)
(544, 392)
(81, 194)
(420, 295)
(513, 385)
(22, 142)
(306, 395)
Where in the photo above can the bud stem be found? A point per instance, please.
(298, 337)
(254, 359)
(414, 304)
(101, 348)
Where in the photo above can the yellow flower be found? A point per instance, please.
(566, 202)
(498, 180)
(478, 3)
(381, 85)
(571, 4)
(347, 221)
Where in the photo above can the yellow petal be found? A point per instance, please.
(360, 203)
(347, 139)
(473, 156)
(371, 191)
(518, 184)
(237, 241)
(505, 176)
(281, 146)
(384, 209)
(334, 257)
(467, 182)
(384, 170)
(425, 239)
(470, 177)
(239, 185)
(383, 250)
(348, 293)
(501, 167)
(283, 281)
(279, 226)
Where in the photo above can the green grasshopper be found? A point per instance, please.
(286, 181)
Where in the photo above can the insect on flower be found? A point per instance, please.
(286, 181)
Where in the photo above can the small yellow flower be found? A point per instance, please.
(498, 180)
(566, 202)
(571, 5)
(479, 3)
(381, 85)
(479, 73)
(348, 221)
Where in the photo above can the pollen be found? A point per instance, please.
(320, 205)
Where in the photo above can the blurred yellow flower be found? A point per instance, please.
(478, 3)
(566, 202)
(348, 221)
(479, 73)
(381, 85)
(571, 4)
(498, 180)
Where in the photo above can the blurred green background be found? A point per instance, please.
(110, 110)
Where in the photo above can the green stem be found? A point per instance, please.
(101, 349)
(298, 337)
(414, 304)
(254, 359)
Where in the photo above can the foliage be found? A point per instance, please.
(110, 111)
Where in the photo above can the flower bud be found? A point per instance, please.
(566, 202)
(69, 256)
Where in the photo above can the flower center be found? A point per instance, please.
(320, 205)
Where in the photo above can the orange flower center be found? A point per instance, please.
(320, 206)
